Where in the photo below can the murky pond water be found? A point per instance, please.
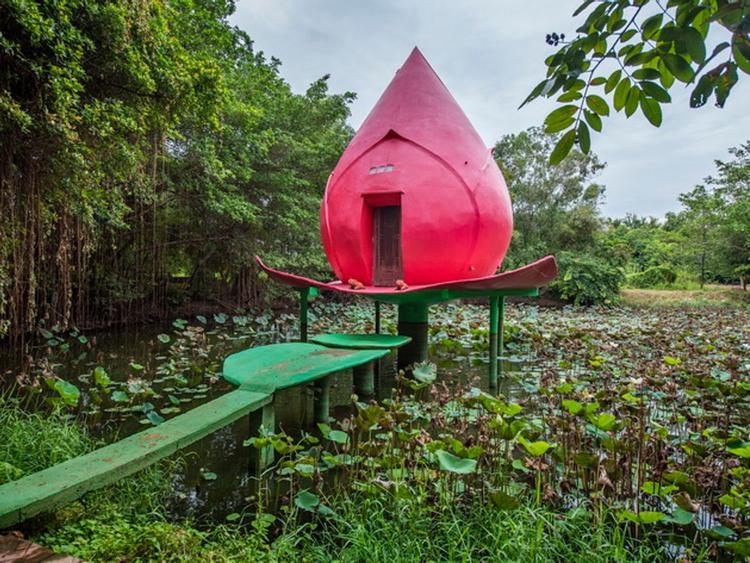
(130, 379)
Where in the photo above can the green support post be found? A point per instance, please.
(322, 401)
(262, 419)
(303, 295)
(412, 321)
(494, 315)
(501, 334)
(364, 379)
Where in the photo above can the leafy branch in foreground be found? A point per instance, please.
(630, 52)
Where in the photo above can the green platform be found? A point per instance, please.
(362, 341)
(278, 366)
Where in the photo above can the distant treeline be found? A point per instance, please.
(147, 152)
(557, 211)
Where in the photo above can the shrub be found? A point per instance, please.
(587, 280)
(655, 276)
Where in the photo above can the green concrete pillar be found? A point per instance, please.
(364, 379)
(303, 305)
(265, 417)
(494, 315)
(412, 321)
(322, 401)
(497, 325)
(501, 334)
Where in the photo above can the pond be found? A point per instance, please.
(120, 381)
(644, 409)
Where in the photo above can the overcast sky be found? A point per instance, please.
(490, 54)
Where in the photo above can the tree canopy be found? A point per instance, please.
(147, 152)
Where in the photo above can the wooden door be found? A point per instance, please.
(386, 234)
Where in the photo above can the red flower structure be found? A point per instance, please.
(417, 212)
(417, 202)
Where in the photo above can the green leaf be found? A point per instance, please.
(725, 83)
(209, 476)
(655, 91)
(650, 26)
(604, 421)
(741, 51)
(68, 392)
(631, 104)
(651, 109)
(120, 396)
(621, 94)
(233, 517)
(536, 449)
(563, 147)
(559, 126)
(338, 436)
(672, 361)
(163, 338)
(570, 96)
(612, 81)
(594, 121)
(743, 452)
(722, 531)
(582, 7)
(424, 372)
(646, 74)
(740, 547)
(653, 488)
(559, 115)
(680, 517)
(584, 137)
(732, 502)
(306, 500)
(503, 500)
(454, 464)
(573, 407)
(597, 104)
(101, 378)
(136, 367)
(678, 66)
(696, 45)
(642, 518)
(154, 418)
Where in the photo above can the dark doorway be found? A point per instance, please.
(386, 234)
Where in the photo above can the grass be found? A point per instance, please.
(366, 529)
(127, 522)
(32, 441)
(385, 531)
(710, 296)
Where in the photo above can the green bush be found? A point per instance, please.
(587, 280)
(655, 276)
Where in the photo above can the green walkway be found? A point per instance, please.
(258, 372)
(67, 481)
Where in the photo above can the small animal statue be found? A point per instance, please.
(355, 284)
(401, 284)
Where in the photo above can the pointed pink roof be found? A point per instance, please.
(417, 106)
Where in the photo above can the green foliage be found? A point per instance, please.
(587, 280)
(554, 208)
(628, 55)
(154, 156)
(653, 277)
